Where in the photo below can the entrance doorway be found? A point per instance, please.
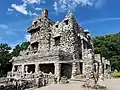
(66, 70)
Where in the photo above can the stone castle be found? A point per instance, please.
(59, 48)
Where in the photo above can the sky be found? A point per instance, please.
(100, 17)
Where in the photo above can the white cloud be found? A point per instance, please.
(68, 5)
(13, 46)
(55, 5)
(20, 8)
(23, 8)
(10, 10)
(31, 1)
(38, 9)
(32, 14)
(27, 37)
(4, 26)
(101, 20)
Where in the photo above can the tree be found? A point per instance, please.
(5, 56)
(109, 47)
(20, 47)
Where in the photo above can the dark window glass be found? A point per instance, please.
(57, 41)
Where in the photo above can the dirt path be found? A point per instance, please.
(112, 84)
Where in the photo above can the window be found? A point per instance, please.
(56, 26)
(35, 23)
(57, 41)
(40, 20)
(80, 56)
(66, 22)
(34, 46)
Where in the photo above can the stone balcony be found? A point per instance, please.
(53, 54)
(32, 55)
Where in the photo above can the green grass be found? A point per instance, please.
(116, 74)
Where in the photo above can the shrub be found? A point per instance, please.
(116, 74)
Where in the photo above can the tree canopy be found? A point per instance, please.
(109, 47)
(20, 47)
(5, 56)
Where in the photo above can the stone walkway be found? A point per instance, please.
(112, 84)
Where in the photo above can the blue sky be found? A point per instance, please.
(98, 16)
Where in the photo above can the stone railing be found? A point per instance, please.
(29, 75)
(31, 80)
(15, 75)
(50, 78)
(37, 55)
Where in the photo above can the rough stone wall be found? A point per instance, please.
(75, 44)
(44, 31)
(68, 30)
(43, 35)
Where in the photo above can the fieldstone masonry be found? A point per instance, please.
(58, 48)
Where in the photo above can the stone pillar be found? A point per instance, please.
(97, 67)
(101, 71)
(13, 68)
(105, 70)
(37, 68)
(109, 72)
(57, 71)
(74, 70)
(89, 64)
(23, 70)
(83, 68)
(82, 47)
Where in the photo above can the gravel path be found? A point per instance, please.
(112, 84)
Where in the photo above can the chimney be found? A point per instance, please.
(44, 13)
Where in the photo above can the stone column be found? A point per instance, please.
(97, 67)
(23, 70)
(74, 70)
(82, 47)
(13, 68)
(57, 71)
(100, 71)
(83, 68)
(109, 70)
(37, 68)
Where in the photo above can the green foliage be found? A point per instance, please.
(109, 47)
(5, 56)
(19, 48)
(116, 74)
